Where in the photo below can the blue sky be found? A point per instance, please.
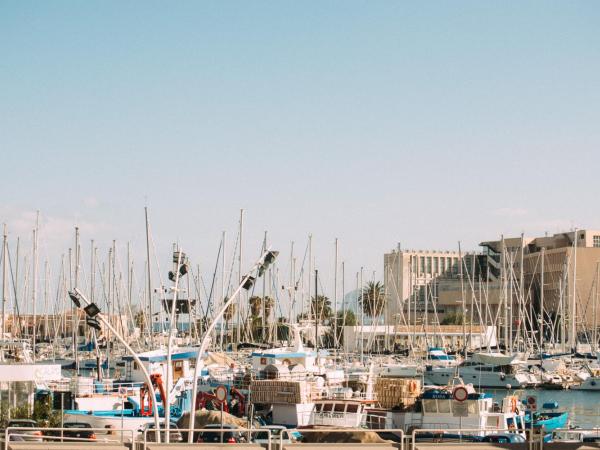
(374, 122)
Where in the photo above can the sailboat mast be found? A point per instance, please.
(149, 277)
(335, 301)
(595, 320)
(4, 285)
(34, 287)
(463, 299)
(240, 253)
(542, 304)
(316, 303)
(574, 299)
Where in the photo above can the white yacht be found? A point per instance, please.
(482, 372)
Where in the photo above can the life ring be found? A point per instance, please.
(513, 404)
(412, 386)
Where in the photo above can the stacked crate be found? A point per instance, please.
(277, 391)
(397, 392)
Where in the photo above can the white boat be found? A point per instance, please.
(481, 375)
(338, 413)
(437, 357)
(438, 410)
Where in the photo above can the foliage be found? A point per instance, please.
(229, 311)
(372, 298)
(347, 318)
(343, 318)
(321, 308)
(139, 319)
(42, 413)
(455, 318)
(256, 305)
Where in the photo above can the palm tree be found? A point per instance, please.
(372, 298)
(269, 304)
(321, 308)
(140, 320)
(255, 305)
(344, 318)
(229, 312)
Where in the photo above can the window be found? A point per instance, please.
(429, 265)
(444, 406)
(436, 267)
(429, 406)
(596, 241)
(422, 264)
(352, 408)
(442, 265)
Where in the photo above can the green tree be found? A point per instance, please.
(255, 305)
(321, 308)
(343, 318)
(372, 298)
(139, 320)
(455, 318)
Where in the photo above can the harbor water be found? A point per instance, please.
(583, 406)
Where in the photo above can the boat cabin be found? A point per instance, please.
(478, 411)
(338, 413)
(182, 361)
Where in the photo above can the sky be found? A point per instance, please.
(373, 122)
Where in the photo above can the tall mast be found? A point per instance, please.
(542, 304)
(362, 316)
(464, 306)
(4, 284)
(309, 270)
(240, 275)
(34, 288)
(335, 301)
(316, 303)
(263, 335)
(149, 277)
(223, 322)
(595, 332)
(522, 290)
(574, 299)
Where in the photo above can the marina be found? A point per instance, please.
(299, 224)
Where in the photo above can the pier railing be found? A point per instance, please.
(39, 434)
(534, 438)
(397, 432)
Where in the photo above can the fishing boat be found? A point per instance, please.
(436, 408)
(133, 408)
(548, 418)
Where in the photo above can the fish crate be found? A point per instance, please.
(397, 392)
(274, 391)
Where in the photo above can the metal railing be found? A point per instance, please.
(248, 432)
(58, 435)
(438, 434)
(399, 432)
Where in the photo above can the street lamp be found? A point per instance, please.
(93, 314)
(262, 264)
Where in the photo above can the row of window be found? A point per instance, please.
(435, 265)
